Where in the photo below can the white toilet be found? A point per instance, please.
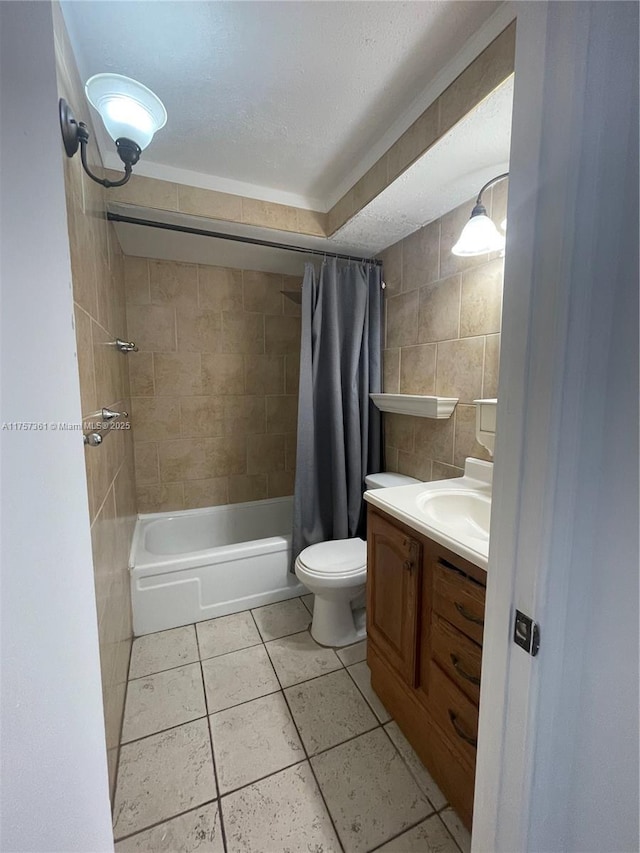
(336, 573)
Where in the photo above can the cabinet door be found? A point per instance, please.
(394, 565)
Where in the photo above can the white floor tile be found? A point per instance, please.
(457, 829)
(198, 831)
(238, 677)
(328, 711)
(362, 676)
(369, 791)
(163, 700)
(417, 768)
(155, 652)
(353, 654)
(282, 813)
(299, 658)
(226, 634)
(162, 776)
(430, 836)
(253, 740)
(283, 618)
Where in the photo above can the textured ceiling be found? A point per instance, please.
(282, 95)
(451, 172)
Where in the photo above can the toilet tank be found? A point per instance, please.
(386, 479)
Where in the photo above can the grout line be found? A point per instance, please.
(124, 706)
(306, 753)
(213, 759)
(267, 776)
(165, 820)
(164, 731)
(406, 829)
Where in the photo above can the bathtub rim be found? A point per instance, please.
(159, 563)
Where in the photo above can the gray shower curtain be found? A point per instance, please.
(339, 428)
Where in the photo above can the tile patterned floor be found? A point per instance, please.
(243, 735)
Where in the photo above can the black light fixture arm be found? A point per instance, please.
(75, 135)
(490, 184)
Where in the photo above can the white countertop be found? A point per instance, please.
(403, 503)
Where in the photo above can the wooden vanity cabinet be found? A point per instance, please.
(425, 618)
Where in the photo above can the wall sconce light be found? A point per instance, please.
(131, 114)
(480, 235)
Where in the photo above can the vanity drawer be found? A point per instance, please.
(456, 715)
(458, 656)
(459, 600)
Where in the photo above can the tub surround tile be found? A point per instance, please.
(247, 487)
(163, 497)
(201, 416)
(163, 775)
(391, 368)
(152, 327)
(222, 374)
(242, 333)
(282, 414)
(282, 335)
(416, 767)
(219, 288)
(329, 710)
(198, 831)
(262, 292)
(199, 494)
(353, 654)
(361, 674)
(280, 619)
(238, 677)
(177, 374)
(173, 283)
(366, 815)
(457, 829)
(265, 454)
(264, 374)
(226, 634)
(136, 281)
(298, 658)
(141, 379)
(283, 812)
(155, 418)
(430, 836)
(465, 437)
(163, 700)
(253, 740)
(164, 650)
(280, 484)
(198, 329)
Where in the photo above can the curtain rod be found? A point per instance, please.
(185, 229)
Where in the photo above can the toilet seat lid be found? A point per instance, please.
(335, 557)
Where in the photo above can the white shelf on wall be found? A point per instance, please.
(419, 405)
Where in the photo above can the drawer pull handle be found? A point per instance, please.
(461, 734)
(456, 665)
(477, 620)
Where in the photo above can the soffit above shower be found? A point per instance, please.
(281, 100)
(448, 174)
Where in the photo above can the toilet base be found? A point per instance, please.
(335, 624)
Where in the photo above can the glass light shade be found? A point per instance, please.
(479, 236)
(503, 224)
(127, 108)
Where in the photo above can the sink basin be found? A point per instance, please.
(463, 513)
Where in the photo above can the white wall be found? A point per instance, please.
(54, 788)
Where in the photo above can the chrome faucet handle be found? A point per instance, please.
(93, 439)
(110, 415)
(126, 346)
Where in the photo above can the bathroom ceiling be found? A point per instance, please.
(279, 100)
(448, 174)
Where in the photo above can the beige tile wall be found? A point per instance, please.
(442, 337)
(99, 304)
(214, 385)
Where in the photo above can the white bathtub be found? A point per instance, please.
(202, 563)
